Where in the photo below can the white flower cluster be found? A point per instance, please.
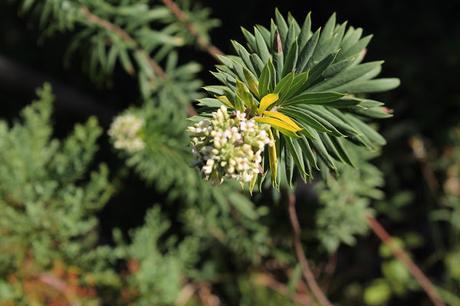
(125, 133)
(230, 145)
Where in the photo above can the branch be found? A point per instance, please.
(185, 295)
(206, 297)
(182, 17)
(404, 258)
(125, 37)
(306, 271)
(265, 279)
(60, 286)
(130, 41)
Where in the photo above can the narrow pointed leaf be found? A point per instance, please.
(225, 101)
(276, 123)
(265, 80)
(377, 85)
(291, 59)
(266, 101)
(283, 118)
(273, 157)
(308, 50)
(314, 98)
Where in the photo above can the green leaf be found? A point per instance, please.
(308, 50)
(305, 33)
(243, 205)
(368, 103)
(327, 43)
(251, 81)
(265, 34)
(312, 114)
(340, 147)
(258, 64)
(251, 40)
(354, 49)
(328, 28)
(281, 25)
(290, 165)
(244, 54)
(369, 132)
(296, 152)
(266, 78)
(210, 102)
(321, 149)
(290, 41)
(243, 93)
(293, 26)
(346, 76)
(343, 103)
(262, 48)
(217, 89)
(126, 61)
(291, 60)
(317, 70)
(308, 153)
(338, 67)
(314, 98)
(305, 119)
(226, 101)
(329, 115)
(377, 85)
(375, 112)
(330, 146)
(298, 85)
(282, 88)
(351, 37)
(378, 293)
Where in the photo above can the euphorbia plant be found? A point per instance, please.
(307, 87)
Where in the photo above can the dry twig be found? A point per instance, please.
(405, 259)
(182, 17)
(306, 270)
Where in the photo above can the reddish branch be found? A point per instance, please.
(404, 258)
(306, 270)
(185, 295)
(183, 17)
(206, 297)
(123, 35)
(268, 281)
(60, 286)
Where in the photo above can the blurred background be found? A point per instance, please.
(420, 43)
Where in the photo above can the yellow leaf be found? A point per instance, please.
(273, 158)
(283, 118)
(267, 101)
(252, 184)
(226, 101)
(276, 123)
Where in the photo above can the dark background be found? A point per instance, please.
(419, 41)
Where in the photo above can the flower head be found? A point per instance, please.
(125, 133)
(230, 145)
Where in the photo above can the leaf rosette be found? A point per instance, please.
(308, 86)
